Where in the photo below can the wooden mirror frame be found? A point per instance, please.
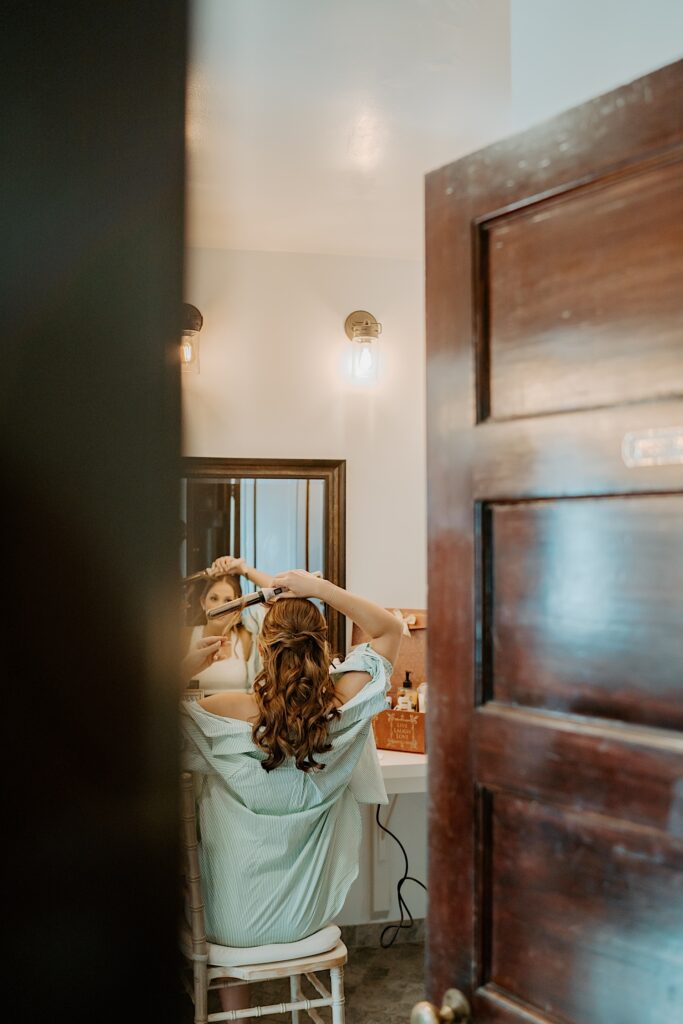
(333, 472)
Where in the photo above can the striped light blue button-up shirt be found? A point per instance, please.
(279, 850)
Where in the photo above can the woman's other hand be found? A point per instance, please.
(299, 583)
(201, 655)
(227, 565)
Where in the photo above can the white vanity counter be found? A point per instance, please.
(403, 773)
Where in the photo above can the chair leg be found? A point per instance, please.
(201, 998)
(295, 994)
(337, 986)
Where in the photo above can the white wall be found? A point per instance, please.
(272, 385)
(563, 53)
(408, 822)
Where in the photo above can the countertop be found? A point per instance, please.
(403, 773)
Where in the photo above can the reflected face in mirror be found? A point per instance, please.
(218, 593)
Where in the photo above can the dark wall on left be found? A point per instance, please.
(91, 286)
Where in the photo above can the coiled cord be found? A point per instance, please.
(402, 905)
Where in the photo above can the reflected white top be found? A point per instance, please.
(226, 674)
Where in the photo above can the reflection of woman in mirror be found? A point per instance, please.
(235, 662)
(281, 771)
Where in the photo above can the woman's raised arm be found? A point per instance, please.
(237, 566)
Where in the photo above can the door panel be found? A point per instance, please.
(545, 757)
(572, 588)
(604, 896)
(572, 337)
(555, 468)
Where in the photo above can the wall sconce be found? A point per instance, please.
(189, 342)
(363, 329)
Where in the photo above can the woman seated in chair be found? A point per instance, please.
(237, 661)
(278, 790)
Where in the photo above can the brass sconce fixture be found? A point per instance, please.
(362, 329)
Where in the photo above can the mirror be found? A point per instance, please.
(278, 514)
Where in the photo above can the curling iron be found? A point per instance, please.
(258, 597)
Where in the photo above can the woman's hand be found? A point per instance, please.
(201, 655)
(238, 567)
(227, 565)
(299, 583)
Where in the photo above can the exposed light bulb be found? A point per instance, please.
(364, 359)
(189, 351)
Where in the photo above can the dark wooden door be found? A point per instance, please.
(555, 384)
(91, 294)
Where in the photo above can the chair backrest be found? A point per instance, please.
(194, 899)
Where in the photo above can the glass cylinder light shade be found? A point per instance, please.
(362, 329)
(189, 339)
(189, 351)
(364, 357)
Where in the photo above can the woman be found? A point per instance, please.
(236, 661)
(278, 792)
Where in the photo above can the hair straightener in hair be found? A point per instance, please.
(258, 597)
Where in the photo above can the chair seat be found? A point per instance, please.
(242, 956)
(333, 958)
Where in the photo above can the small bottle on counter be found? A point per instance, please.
(422, 697)
(407, 697)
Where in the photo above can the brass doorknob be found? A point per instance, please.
(455, 1010)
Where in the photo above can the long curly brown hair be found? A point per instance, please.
(293, 690)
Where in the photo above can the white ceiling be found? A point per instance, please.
(311, 123)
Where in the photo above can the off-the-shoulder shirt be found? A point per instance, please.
(279, 850)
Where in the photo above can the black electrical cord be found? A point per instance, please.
(402, 905)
